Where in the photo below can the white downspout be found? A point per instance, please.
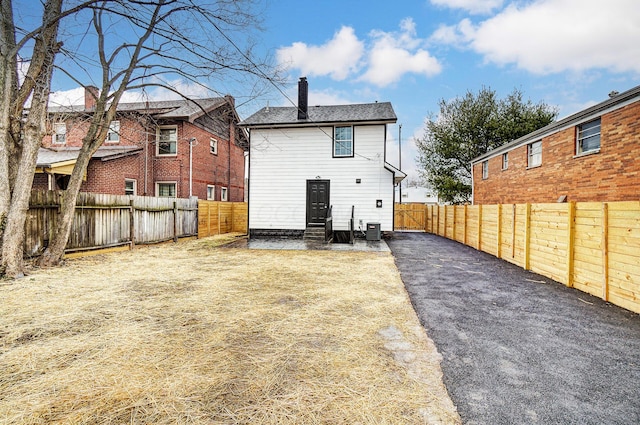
(191, 140)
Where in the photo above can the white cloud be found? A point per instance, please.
(457, 35)
(390, 56)
(551, 36)
(394, 54)
(338, 58)
(471, 6)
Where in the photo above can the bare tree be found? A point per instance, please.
(139, 44)
(20, 138)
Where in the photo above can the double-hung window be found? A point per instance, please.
(167, 141)
(343, 141)
(166, 189)
(113, 136)
(129, 186)
(534, 154)
(588, 137)
(224, 194)
(485, 169)
(60, 133)
(505, 160)
(211, 193)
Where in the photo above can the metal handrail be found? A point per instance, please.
(328, 225)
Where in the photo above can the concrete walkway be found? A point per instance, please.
(299, 244)
(517, 347)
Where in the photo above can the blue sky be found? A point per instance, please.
(567, 53)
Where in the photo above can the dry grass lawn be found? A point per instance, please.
(197, 334)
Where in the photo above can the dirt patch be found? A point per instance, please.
(190, 333)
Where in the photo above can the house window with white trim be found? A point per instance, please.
(485, 169)
(534, 154)
(167, 138)
(113, 136)
(588, 137)
(343, 142)
(505, 160)
(211, 193)
(213, 146)
(130, 186)
(166, 189)
(60, 133)
(224, 194)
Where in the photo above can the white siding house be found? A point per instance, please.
(304, 160)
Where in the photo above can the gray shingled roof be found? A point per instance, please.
(170, 109)
(355, 113)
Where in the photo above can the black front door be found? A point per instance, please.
(317, 201)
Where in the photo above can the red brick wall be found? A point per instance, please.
(226, 169)
(613, 174)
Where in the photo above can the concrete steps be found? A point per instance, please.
(315, 233)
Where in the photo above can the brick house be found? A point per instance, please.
(176, 148)
(591, 155)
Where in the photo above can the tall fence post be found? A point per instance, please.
(445, 221)
(513, 234)
(132, 230)
(465, 225)
(527, 235)
(479, 247)
(605, 251)
(454, 222)
(499, 232)
(571, 236)
(175, 221)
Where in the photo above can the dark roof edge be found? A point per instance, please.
(616, 102)
(317, 123)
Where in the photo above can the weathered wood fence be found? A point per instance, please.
(106, 221)
(591, 246)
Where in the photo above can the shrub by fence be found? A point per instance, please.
(105, 221)
(591, 246)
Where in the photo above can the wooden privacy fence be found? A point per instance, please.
(591, 246)
(216, 218)
(105, 221)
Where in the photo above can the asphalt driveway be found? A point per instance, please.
(519, 348)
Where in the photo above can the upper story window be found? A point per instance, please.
(534, 154)
(211, 193)
(213, 146)
(224, 194)
(485, 169)
(113, 136)
(167, 139)
(505, 160)
(343, 141)
(588, 137)
(60, 133)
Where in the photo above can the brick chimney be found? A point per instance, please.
(91, 94)
(303, 98)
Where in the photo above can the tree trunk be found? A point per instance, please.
(7, 86)
(44, 52)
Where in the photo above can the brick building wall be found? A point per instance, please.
(108, 175)
(612, 174)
